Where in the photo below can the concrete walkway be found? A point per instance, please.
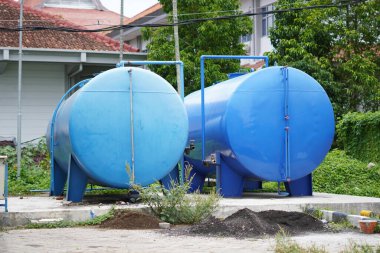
(22, 211)
(140, 241)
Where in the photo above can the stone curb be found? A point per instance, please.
(333, 216)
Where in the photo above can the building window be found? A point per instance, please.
(246, 38)
(267, 20)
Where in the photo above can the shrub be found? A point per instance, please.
(342, 174)
(359, 135)
(175, 205)
(35, 168)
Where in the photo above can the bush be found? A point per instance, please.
(175, 205)
(342, 174)
(35, 168)
(359, 135)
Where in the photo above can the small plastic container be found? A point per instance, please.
(368, 226)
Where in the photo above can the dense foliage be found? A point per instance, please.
(359, 135)
(337, 46)
(342, 174)
(35, 168)
(211, 37)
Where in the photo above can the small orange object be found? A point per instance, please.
(367, 226)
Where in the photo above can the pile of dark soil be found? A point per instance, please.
(125, 219)
(246, 223)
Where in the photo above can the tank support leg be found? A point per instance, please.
(300, 187)
(76, 182)
(59, 181)
(250, 185)
(228, 182)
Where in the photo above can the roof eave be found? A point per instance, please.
(10, 54)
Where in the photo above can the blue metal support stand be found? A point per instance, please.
(300, 187)
(182, 95)
(76, 182)
(58, 177)
(251, 185)
(228, 182)
(5, 205)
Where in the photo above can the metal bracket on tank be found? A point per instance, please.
(190, 148)
(211, 162)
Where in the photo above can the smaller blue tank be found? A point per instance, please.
(96, 138)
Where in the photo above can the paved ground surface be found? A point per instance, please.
(140, 241)
(23, 210)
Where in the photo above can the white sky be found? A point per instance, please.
(131, 7)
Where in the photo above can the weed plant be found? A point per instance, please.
(175, 205)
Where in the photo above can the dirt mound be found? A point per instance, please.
(246, 223)
(125, 219)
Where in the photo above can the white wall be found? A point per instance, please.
(43, 86)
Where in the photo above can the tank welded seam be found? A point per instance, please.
(279, 91)
(132, 179)
(127, 91)
(286, 118)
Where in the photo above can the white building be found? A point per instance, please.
(52, 61)
(256, 43)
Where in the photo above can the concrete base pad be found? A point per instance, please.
(22, 211)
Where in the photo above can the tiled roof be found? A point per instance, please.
(256, 65)
(88, 18)
(9, 13)
(145, 13)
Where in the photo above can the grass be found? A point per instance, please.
(65, 224)
(284, 244)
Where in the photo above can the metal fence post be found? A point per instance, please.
(4, 181)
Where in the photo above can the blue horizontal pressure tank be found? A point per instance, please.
(107, 135)
(275, 124)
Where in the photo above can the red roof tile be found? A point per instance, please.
(88, 18)
(9, 13)
(256, 65)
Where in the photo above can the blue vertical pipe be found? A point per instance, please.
(52, 124)
(203, 58)
(182, 84)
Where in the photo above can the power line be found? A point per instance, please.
(183, 22)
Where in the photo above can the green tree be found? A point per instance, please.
(337, 46)
(210, 37)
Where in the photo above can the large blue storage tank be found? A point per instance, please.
(93, 132)
(276, 124)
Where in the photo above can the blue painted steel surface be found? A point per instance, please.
(182, 94)
(245, 121)
(231, 57)
(92, 128)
